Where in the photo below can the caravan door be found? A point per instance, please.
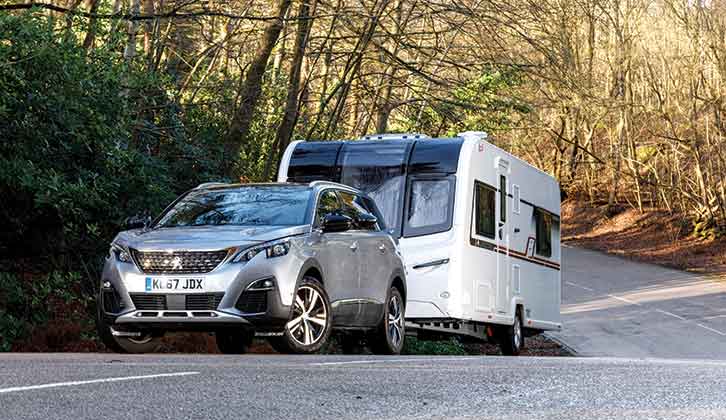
(503, 292)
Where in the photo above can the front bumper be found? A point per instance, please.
(272, 319)
(232, 304)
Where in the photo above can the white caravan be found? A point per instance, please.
(479, 229)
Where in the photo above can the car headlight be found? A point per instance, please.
(271, 250)
(120, 253)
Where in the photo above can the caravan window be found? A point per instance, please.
(543, 232)
(429, 206)
(485, 205)
(516, 200)
(378, 169)
(502, 198)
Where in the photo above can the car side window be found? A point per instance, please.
(327, 203)
(353, 206)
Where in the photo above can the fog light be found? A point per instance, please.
(106, 284)
(264, 284)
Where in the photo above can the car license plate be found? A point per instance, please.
(174, 284)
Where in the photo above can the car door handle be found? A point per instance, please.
(354, 246)
(382, 248)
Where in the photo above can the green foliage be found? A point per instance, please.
(25, 302)
(85, 141)
(267, 117)
(452, 346)
(482, 104)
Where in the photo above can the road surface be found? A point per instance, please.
(615, 307)
(106, 386)
(611, 307)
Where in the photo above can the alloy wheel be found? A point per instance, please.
(310, 317)
(395, 321)
(517, 333)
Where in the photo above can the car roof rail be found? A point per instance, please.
(334, 184)
(395, 136)
(209, 184)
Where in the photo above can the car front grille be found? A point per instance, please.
(203, 301)
(251, 302)
(147, 302)
(178, 262)
(191, 302)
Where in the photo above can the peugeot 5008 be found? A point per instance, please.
(289, 262)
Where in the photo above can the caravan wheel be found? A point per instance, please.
(511, 339)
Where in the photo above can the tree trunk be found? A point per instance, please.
(289, 117)
(251, 91)
(133, 27)
(92, 26)
(149, 9)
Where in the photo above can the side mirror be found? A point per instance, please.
(336, 223)
(137, 222)
(366, 221)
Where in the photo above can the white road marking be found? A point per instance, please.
(671, 314)
(632, 302)
(628, 301)
(362, 362)
(711, 329)
(93, 381)
(581, 287)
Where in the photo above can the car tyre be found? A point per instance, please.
(511, 338)
(390, 335)
(233, 342)
(310, 321)
(147, 343)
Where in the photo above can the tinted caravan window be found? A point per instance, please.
(502, 198)
(378, 169)
(435, 156)
(314, 161)
(484, 210)
(430, 205)
(543, 232)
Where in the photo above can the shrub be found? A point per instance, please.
(79, 152)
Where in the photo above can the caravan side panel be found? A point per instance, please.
(499, 258)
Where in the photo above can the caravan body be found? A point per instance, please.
(478, 227)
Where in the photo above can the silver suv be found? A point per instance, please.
(288, 262)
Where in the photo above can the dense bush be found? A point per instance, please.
(79, 152)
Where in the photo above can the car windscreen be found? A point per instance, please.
(244, 206)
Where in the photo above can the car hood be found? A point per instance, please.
(204, 238)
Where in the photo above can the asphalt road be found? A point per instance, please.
(55, 386)
(615, 307)
(610, 307)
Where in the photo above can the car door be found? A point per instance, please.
(373, 254)
(337, 253)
